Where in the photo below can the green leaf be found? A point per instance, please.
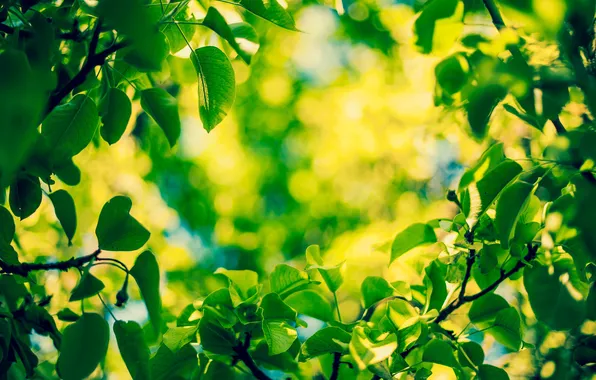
(22, 106)
(25, 196)
(279, 336)
(325, 341)
(452, 73)
(332, 275)
(311, 303)
(163, 108)
(117, 230)
(366, 351)
(271, 11)
(590, 303)
(65, 212)
(177, 337)
(84, 346)
(375, 289)
(286, 280)
(507, 328)
(436, 289)
(133, 348)
(552, 296)
(244, 285)
(148, 46)
(414, 236)
(485, 309)
(87, 287)
(67, 315)
(489, 160)
(7, 227)
(244, 32)
(215, 338)
(217, 86)
(482, 101)
(489, 372)
(274, 308)
(481, 195)
(69, 128)
(438, 25)
(68, 173)
(401, 313)
(470, 354)
(115, 110)
(166, 365)
(439, 352)
(512, 203)
(145, 271)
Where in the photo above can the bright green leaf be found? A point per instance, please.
(279, 336)
(177, 337)
(311, 303)
(414, 236)
(366, 351)
(507, 328)
(286, 280)
(510, 206)
(325, 341)
(217, 86)
(375, 289)
(470, 354)
(271, 11)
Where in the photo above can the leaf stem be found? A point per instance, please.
(337, 307)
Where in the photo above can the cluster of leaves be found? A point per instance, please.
(513, 222)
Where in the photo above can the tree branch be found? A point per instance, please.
(93, 60)
(463, 299)
(24, 269)
(243, 355)
(335, 367)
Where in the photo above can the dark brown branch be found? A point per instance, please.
(463, 299)
(243, 355)
(470, 260)
(335, 367)
(24, 269)
(92, 61)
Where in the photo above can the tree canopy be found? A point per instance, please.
(269, 189)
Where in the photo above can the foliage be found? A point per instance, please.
(74, 73)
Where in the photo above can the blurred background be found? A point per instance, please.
(334, 140)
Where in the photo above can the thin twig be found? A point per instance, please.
(443, 314)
